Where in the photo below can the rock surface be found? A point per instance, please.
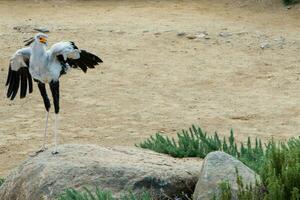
(217, 167)
(117, 169)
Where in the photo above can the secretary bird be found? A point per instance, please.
(45, 67)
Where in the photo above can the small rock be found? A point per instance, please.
(225, 34)
(181, 34)
(217, 167)
(42, 30)
(201, 35)
(191, 37)
(157, 33)
(265, 45)
(120, 32)
(207, 37)
(242, 33)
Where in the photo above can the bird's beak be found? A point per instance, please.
(43, 40)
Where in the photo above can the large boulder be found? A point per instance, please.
(117, 169)
(217, 167)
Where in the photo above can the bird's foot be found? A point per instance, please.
(39, 151)
(55, 152)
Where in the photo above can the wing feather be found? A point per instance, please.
(23, 75)
(8, 76)
(15, 86)
(68, 54)
(18, 74)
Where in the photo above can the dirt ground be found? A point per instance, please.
(152, 78)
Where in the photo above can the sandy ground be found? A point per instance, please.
(152, 79)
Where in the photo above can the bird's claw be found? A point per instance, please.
(39, 151)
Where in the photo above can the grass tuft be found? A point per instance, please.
(86, 194)
(194, 142)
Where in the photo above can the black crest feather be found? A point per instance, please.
(29, 41)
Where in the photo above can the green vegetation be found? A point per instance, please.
(277, 164)
(280, 175)
(225, 191)
(281, 171)
(196, 143)
(289, 2)
(72, 194)
(1, 181)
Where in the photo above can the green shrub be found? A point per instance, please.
(280, 175)
(196, 143)
(277, 164)
(72, 194)
(225, 191)
(289, 2)
(1, 181)
(281, 171)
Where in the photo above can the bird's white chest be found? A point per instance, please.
(39, 69)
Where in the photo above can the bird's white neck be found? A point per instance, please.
(38, 49)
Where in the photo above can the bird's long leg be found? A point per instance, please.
(45, 131)
(54, 86)
(43, 92)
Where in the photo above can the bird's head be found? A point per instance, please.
(41, 38)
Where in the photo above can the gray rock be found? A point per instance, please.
(265, 45)
(207, 37)
(201, 35)
(198, 35)
(117, 169)
(217, 167)
(225, 34)
(180, 34)
(42, 30)
(288, 7)
(120, 32)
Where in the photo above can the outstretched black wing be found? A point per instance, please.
(18, 74)
(68, 54)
